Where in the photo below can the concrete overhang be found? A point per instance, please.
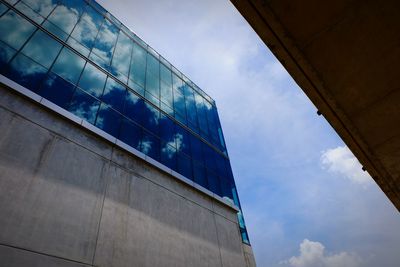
(345, 55)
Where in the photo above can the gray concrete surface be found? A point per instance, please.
(69, 198)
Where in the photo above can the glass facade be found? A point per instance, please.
(80, 57)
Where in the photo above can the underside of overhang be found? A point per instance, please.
(345, 55)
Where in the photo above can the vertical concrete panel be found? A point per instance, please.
(13, 257)
(230, 242)
(51, 192)
(144, 224)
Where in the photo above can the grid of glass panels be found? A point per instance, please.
(77, 55)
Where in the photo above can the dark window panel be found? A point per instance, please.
(150, 145)
(42, 48)
(114, 94)
(167, 130)
(14, 29)
(220, 164)
(92, 80)
(185, 166)
(3, 8)
(108, 120)
(134, 107)
(182, 140)
(57, 90)
(226, 189)
(196, 151)
(84, 106)
(213, 182)
(209, 157)
(151, 116)
(26, 72)
(6, 53)
(130, 133)
(68, 65)
(168, 155)
(199, 174)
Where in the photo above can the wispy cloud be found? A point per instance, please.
(312, 254)
(341, 161)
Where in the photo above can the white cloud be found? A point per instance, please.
(312, 254)
(340, 160)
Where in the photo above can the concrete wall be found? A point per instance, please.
(69, 198)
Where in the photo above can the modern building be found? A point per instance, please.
(109, 155)
(345, 55)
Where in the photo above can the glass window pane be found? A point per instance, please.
(26, 72)
(153, 84)
(92, 80)
(42, 7)
(185, 166)
(84, 106)
(165, 75)
(6, 53)
(167, 130)
(151, 117)
(78, 46)
(29, 12)
(86, 30)
(179, 103)
(108, 120)
(138, 65)
(152, 65)
(66, 15)
(3, 8)
(114, 94)
(55, 30)
(14, 30)
(182, 140)
(134, 106)
(213, 183)
(226, 189)
(168, 156)
(122, 54)
(137, 88)
(150, 145)
(105, 41)
(199, 174)
(130, 134)
(68, 65)
(166, 93)
(209, 157)
(196, 151)
(42, 48)
(57, 90)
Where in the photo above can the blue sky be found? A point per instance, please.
(305, 198)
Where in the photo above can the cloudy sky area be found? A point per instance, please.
(305, 199)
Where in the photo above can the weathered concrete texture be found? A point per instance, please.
(345, 55)
(248, 255)
(68, 198)
(14, 257)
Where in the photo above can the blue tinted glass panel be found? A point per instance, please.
(84, 106)
(185, 166)
(150, 145)
(3, 8)
(213, 182)
(151, 116)
(134, 106)
(68, 65)
(179, 103)
(57, 90)
(92, 80)
(182, 140)
(153, 84)
(138, 65)
(135, 87)
(105, 41)
(42, 7)
(65, 17)
(86, 30)
(166, 94)
(14, 30)
(29, 12)
(226, 188)
(26, 72)
(196, 151)
(165, 75)
(168, 155)
(55, 30)
(209, 157)
(108, 120)
(114, 94)
(167, 130)
(6, 53)
(220, 164)
(199, 174)
(130, 133)
(78, 46)
(153, 65)
(122, 54)
(42, 48)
